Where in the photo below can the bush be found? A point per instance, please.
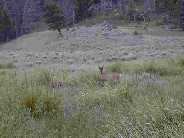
(54, 17)
(29, 102)
(82, 8)
(40, 105)
(136, 32)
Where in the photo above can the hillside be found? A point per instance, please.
(51, 87)
(28, 15)
(83, 46)
(139, 93)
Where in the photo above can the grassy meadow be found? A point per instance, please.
(147, 102)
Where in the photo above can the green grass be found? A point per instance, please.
(7, 66)
(116, 67)
(162, 67)
(29, 108)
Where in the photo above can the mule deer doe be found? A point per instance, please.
(56, 84)
(105, 76)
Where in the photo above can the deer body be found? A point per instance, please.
(56, 84)
(105, 76)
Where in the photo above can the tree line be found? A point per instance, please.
(5, 24)
(54, 16)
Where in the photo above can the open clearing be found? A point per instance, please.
(85, 47)
(147, 101)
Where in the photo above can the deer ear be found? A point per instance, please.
(100, 68)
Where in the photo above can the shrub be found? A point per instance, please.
(136, 32)
(81, 6)
(54, 17)
(29, 102)
(39, 105)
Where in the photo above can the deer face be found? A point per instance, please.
(101, 68)
(104, 76)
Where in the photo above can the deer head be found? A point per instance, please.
(101, 68)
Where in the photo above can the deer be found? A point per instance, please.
(56, 84)
(105, 76)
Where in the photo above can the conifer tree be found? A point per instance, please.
(82, 6)
(14, 11)
(182, 14)
(5, 24)
(54, 17)
(4, 20)
(32, 13)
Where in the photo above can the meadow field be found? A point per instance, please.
(147, 102)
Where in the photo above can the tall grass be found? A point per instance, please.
(121, 109)
(162, 67)
(7, 66)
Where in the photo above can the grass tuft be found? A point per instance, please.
(42, 77)
(29, 102)
(39, 105)
(181, 62)
(50, 105)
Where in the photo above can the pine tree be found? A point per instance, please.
(32, 14)
(54, 17)
(14, 12)
(82, 6)
(4, 20)
(5, 24)
(182, 14)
